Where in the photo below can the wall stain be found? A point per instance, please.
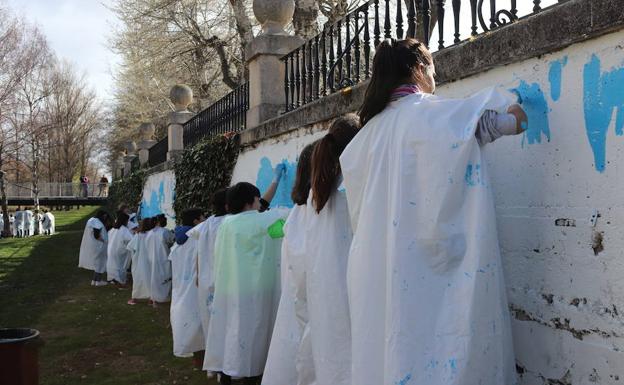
(597, 242)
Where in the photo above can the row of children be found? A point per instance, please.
(386, 271)
(26, 223)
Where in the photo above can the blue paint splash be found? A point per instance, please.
(603, 92)
(554, 76)
(153, 207)
(404, 380)
(536, 107)
(265, 177)
(473, 175)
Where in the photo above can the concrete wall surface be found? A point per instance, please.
(559, 202)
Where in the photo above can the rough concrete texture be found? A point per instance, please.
(557, 190)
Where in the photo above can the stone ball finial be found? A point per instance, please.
(274, 15)
(147, 130)
(131, 147)
(181, 96)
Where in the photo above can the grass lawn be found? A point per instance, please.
(91, 335)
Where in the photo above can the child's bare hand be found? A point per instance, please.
(522, 120)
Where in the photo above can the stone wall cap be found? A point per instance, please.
(275, 45)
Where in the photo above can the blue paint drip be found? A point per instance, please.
(536, 108)
(473, 175)
(554, 76)
(453, 365)
(602, 93)
(405, 380)
(265, 177)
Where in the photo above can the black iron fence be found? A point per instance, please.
(158, 152)
(341, 55)
(229, 114)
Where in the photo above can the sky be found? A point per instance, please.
(78, 31)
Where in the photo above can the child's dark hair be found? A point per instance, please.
(190, 215)
(122, 220)
(326, 158)
(103, 216)
(146, 225)
(241, 194)
(302, 185)
(160, 220)
(395, 62)
(219, 202)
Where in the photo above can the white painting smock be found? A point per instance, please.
(119, 256)
(48, 223)
(141, 267)
(205, 234)
(93, 251)
(186, 325)
(426, 290)
(157, 242)
(324, 289)
(281, 363)
(246, 294)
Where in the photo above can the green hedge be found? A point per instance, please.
(204, 169)
(129, 190)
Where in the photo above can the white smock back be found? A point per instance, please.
(205, 234)
(141, 267)
(426, 289)
(157, 243)
(281, 366)
(92, 251)
(119, 256)
(246, 294)
(186, 325)
(328, 238)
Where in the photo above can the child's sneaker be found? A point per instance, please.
(131, 302)
(101, 283)
(92, 283)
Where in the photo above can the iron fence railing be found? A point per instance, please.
(57, 190)
(341, 54)
(228, 114)
(158, 152)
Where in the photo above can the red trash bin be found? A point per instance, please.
(19, 356)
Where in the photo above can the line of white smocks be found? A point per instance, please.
(186, 326)
(157, 243)
(247, 291)
(425, 283)
(141, 267)
(205, 234)
(119, 256)
(92, 251)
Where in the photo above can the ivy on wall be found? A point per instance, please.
(202, 170)
(128, 190)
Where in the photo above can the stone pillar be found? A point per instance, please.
(263, 54)
(181, 96)
(130, 156)
(146, 130)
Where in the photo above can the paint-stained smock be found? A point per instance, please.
(141, 267)
(186, 326)
(247, 291)
(119, 256)
(323, 290)
(284, 352)
(93, 251)
(157, 242)
(205, 234)
(425, 283)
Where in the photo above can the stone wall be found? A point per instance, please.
(557, 188)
